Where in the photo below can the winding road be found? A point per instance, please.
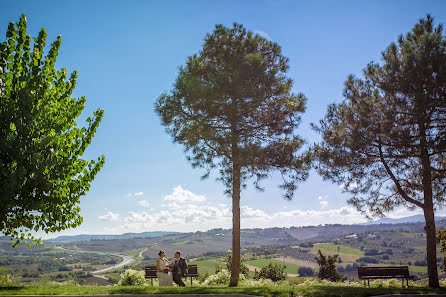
(125, 259)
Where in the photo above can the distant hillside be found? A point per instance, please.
(410, 219)
(88, 237)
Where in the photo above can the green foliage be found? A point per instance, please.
(232, 101)
(441, 240)
(6, 279)
(386, 141)
(243, 268)
(327, 267)
(305, 271)
(132, 277)
(233, 110)
(272, 271)
(308, 288)
(42, 176)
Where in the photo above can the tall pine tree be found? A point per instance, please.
(386, 141)
(233, 110)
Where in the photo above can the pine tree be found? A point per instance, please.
(233, 110)
(386, 141)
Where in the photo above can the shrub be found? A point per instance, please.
(272, 271)
(243, 268)
(327, 267)
(305, 271)
(368, 260)
(132, 277)
(371, 252)
(220, 278)
(420, 263)
(5, 278)
(306, 244)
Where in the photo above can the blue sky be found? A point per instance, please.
(128, 52)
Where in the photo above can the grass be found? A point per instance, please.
(290, 268)
(347, 253)
(206, 266)
(307, 290)
(133, 253)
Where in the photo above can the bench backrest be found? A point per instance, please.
(151, 271)
(192, 270)
(388, 271)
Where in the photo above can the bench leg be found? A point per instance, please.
(191, 281)
(151, 280)
(402, 283)
(368, 283)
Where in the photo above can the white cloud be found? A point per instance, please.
(181, 195)
(144, 203)
(248, 212)
(322, 197)
(173, 205)
(191, 217)
(262, 34)
(109, 216)
(136, 194)
(324, 204)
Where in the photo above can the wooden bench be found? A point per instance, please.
(384, 272)
(151, 272)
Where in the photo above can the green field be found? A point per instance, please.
(133, 253)
(207, 266)
(347, 253)
(290, 268)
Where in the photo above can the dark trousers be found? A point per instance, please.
(177, 279)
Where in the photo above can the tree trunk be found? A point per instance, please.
(431, 249)
(235, 216)
(431, 243)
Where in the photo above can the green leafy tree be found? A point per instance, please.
(327, 267)
(386, 141)
(42, 175)
(305, 271)
(233, 110)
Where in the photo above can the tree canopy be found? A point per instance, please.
(42, 174)
(233, 110)
(385, 142)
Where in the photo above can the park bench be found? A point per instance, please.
(384, 272)
(151, 272)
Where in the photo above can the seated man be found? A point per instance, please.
(179, 269)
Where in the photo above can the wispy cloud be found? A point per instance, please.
(144, 203)
(263, 34)
(323, 204)
(136, 194)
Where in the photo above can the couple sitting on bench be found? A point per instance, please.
(178, 269)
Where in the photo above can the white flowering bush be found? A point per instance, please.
(132, 277)
(5, 278)
(221, 278)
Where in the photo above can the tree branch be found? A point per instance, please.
(396, 182)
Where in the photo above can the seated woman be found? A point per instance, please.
(164, 276)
